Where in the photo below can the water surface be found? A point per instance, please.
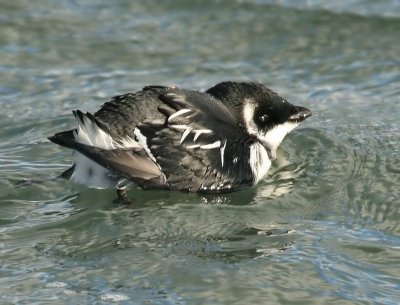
(322, 228)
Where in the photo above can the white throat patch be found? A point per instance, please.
(273, 137)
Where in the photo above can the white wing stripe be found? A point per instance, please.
(216, 144)
(185, 134)
(178, 113)
(198, 132)
(223, 154)
(179, 126)
(143, 143)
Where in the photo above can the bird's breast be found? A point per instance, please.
(259, 161)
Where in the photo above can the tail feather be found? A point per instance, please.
(92, 140)
(84, 118)
(92, 131)
(68, 173)
(65, 138)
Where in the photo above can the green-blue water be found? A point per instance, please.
(322, 228)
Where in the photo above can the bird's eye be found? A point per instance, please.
(263, 118)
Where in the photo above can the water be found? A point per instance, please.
(323, 228)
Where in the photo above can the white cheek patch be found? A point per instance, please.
(273, 137)
(249, 107)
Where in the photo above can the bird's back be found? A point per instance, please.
(124, 112)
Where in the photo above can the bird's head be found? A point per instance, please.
(261, 112)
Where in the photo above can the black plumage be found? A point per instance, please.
(166, 137)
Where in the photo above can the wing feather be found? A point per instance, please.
(196, 144)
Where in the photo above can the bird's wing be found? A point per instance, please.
(199, 145)
(130, 162)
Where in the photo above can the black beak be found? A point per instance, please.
(301, 113)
